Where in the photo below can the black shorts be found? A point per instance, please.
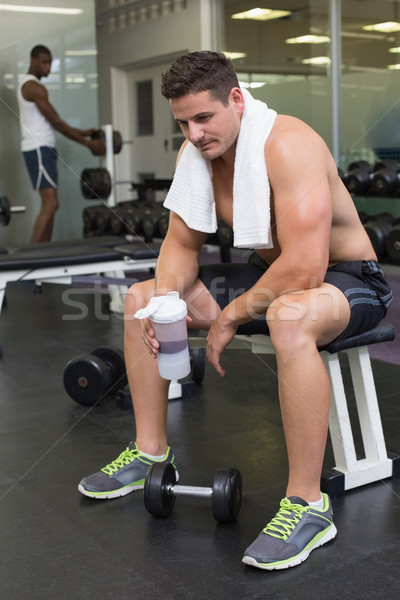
(362, 282)
(42, 167)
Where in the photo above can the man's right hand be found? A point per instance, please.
(149, 337)
(97, 147)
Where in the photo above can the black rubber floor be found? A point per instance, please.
(56, 544)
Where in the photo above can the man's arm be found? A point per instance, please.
(297, 168)
(178, 263)
(37, 93)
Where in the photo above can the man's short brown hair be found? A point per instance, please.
(200, 72)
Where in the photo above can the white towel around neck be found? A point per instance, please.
(191, 194)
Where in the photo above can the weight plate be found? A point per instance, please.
(393, 244)
(5, 213)
(115, 361)
(198, 364)
(227, 495)
(96, 184)
(158, 499)
(86, 379)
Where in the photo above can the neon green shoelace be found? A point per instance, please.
(282, 525)
(125, 458)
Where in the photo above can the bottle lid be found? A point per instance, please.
(164, 309)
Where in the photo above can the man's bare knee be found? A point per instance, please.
(138, 296)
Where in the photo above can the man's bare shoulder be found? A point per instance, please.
(287, 127)
(32, 90)
(290, 137)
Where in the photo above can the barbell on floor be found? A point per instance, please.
(6, 210)
(161, 489)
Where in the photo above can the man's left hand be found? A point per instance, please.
(219, 336)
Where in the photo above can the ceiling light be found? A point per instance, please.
(252, 84)
(388, 27)
(235, 55)
(261, 14)
(395, 50)
(80, 52)
(309, 39)
(41, 9)
(393, 67)
(319, 61)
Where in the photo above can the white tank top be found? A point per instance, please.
(35, 128)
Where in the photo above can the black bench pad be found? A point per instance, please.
(150, 250)
(58, 257)
(383, 332)
(46, 247)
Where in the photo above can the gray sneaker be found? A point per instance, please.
(124, 475)
(293, 533)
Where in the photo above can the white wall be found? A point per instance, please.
(129, 38)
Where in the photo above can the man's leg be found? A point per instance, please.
(149, 391)
(43, 227)
(149, 395)
(298, 324)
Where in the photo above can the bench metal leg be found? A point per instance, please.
(350, 470)
(376, 465)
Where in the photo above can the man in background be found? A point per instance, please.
(39, 120)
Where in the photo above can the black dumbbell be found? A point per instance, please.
(378, 227)
(117, 139)
(359, 177)
(89, 224)
(155, 222)
(342, 175)
(117, 221)
(386, 177)
(161, 489)
(102, 220)
(197, 363)
(393, 242)
(225, 234)
(89, 377)
(96, 184)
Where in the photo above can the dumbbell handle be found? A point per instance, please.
(189, 490)
(17, 209)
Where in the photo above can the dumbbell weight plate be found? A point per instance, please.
(86, 379)
(198, 364)
(162, 224)
(227, 495)
(157, 499)
(115, 361)
(393, 244)
(96, 184)
(377, 232)
(117, 139)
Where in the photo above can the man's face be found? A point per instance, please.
(208, 124)
(42, 65)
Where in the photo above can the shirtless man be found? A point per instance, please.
(315, 285)
(39, 120)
